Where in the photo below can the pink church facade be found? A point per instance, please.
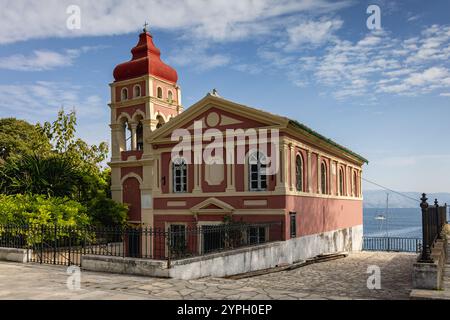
(315, 191)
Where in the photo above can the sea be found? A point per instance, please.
(400, 222)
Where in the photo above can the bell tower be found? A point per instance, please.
(144, 96)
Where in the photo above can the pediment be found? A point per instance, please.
(218, 113)
(212, 205)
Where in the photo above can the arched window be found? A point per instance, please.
(137, 91)
(159, 92)
(170, 96)
(257, 171)
(179, 173)
(124, 94)
(355, 185)
(160, 121)
(125, 140)
(299, 172)
(323, 178)
(341, 182)
(140, 136)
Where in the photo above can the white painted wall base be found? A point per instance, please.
(15, 255)
(236, 261)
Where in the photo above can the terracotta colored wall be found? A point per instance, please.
(129, 153)
(132, 196)
(166, 111)
(130, 90)
(165, 87)
(214, 188)
(126, 170)
(316, 215)
(130, 110)
(237, 202)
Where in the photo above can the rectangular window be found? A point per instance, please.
(256, 235)
(293, 224)
(179, 177)
(257, 172)
(214, 238)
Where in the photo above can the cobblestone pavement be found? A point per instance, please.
(338, 279)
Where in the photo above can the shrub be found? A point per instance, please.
(43, 211)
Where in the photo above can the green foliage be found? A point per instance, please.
(61, 133)
(105, 211)
(48, 163)
(32, 174)
(18, 137)
(42, 211)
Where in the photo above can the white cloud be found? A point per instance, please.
(379, 63)
(221, 20)
(41, 60)
(198, 57)
(312, 32)
(43, 98)
(445, 94)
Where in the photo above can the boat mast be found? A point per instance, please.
(387, 214)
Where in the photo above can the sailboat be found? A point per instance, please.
(383, 218)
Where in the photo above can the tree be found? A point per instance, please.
(61, 166)
(18, 137)
(88, 159)
(53, 176)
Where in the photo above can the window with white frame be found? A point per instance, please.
(256, 235)
(299, 172)
(179, 172)
(159, 93)
(137, 91)
(341, 182)
(257, 171)
(170, 96)
(324, 178)
(124, 94)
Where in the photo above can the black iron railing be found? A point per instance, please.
(396, 244)
(66, 245)
(433, 220)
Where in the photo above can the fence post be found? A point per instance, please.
(168, 234)
(438, 220)
(425, 257)
(42, 244)
(54, 244)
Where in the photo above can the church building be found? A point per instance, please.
(315, 190)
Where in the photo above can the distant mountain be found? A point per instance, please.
(377, 199)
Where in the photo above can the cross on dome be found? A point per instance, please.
(145, 27)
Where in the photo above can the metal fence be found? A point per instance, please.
(395, 244)
(66, 245)
(433, 220)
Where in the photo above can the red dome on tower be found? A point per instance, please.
(146, 60)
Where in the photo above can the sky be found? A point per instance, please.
(384, 92)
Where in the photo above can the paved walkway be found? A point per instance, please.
(338, 279)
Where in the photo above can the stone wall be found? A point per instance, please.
(15, 255)
(430, 275)
(236, 261)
